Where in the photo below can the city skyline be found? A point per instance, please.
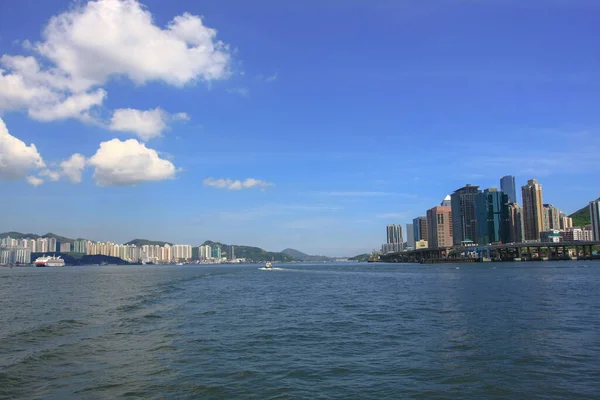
(281, 136)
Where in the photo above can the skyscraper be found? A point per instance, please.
(447, 201)
(493, 223)
(410, 236)
(464, 220)
(394, 234)
(551, 217)
(595, 219)
(515, 215)
(420, 228)
(508, 187)
(439, 226)
(533, 217)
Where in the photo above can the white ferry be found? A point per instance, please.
(49, 261)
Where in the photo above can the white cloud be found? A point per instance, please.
(16, 158)
(237, 184)
(121, 163)
(73, 167)
(50, 174)
(106, 38)
(75, 106)
(95, 41)
(34, 180)
(145, 124)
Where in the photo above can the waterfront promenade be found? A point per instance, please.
(528, 251)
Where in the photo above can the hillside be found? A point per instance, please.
(19, 235)
(250, 253)
(581, 217)
(300, 256)
(144, 242)
(361, 257)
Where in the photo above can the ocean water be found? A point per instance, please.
(327, 331)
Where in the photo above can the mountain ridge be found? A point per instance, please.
(300, 256)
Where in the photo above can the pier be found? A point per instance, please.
(528, 251)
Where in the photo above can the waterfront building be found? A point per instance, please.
(216, 251)
(42, 245)
(533, 218)
(515, 215)
(566, 222)
(14, 255)
(447, 202)
(65, 247)
(440, 226)
(232, 253)
(551, 236)
(420, 228)
(394, 234)
(464, 220)
(410, 236)
(493, 221)
(508, 187)
(595, 219)
(551, 217)
(421, 244)
(52, 245)
(182, 252)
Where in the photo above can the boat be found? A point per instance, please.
(268, 265)
(179, 264)
(49, 261)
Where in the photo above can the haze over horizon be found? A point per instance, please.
(310, 125)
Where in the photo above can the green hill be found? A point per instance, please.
(145, 242)
(361, 257)
(19, 235)
(250, 253)
(300, 256)
(581, 217)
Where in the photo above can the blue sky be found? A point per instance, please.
(304, 124)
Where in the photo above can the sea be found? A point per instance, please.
(302, 331)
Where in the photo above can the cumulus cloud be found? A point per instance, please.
(237, 184)
(34, 180)
(122, 163)
(73, 167)
(16, 158)
(118, 37)
(50, 174)
(95, 41)
(145, 124)
(43, 94)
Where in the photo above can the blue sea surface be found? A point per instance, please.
(305, 331)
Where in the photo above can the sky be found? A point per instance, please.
(304, 124)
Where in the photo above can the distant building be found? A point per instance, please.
(565, 222)
(410, 236)
(493, 221)
(464, 221)
(533, 217)
(595, 219)
(551, 217)
(394, 234)
(216, 251)
(65, 247)
(421, 244)
(508, 187)
(447, 202)
(551, 236)
(515, 215)
(440, 227)
(232, 255)
(420, 228)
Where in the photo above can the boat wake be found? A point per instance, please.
(271, 269)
